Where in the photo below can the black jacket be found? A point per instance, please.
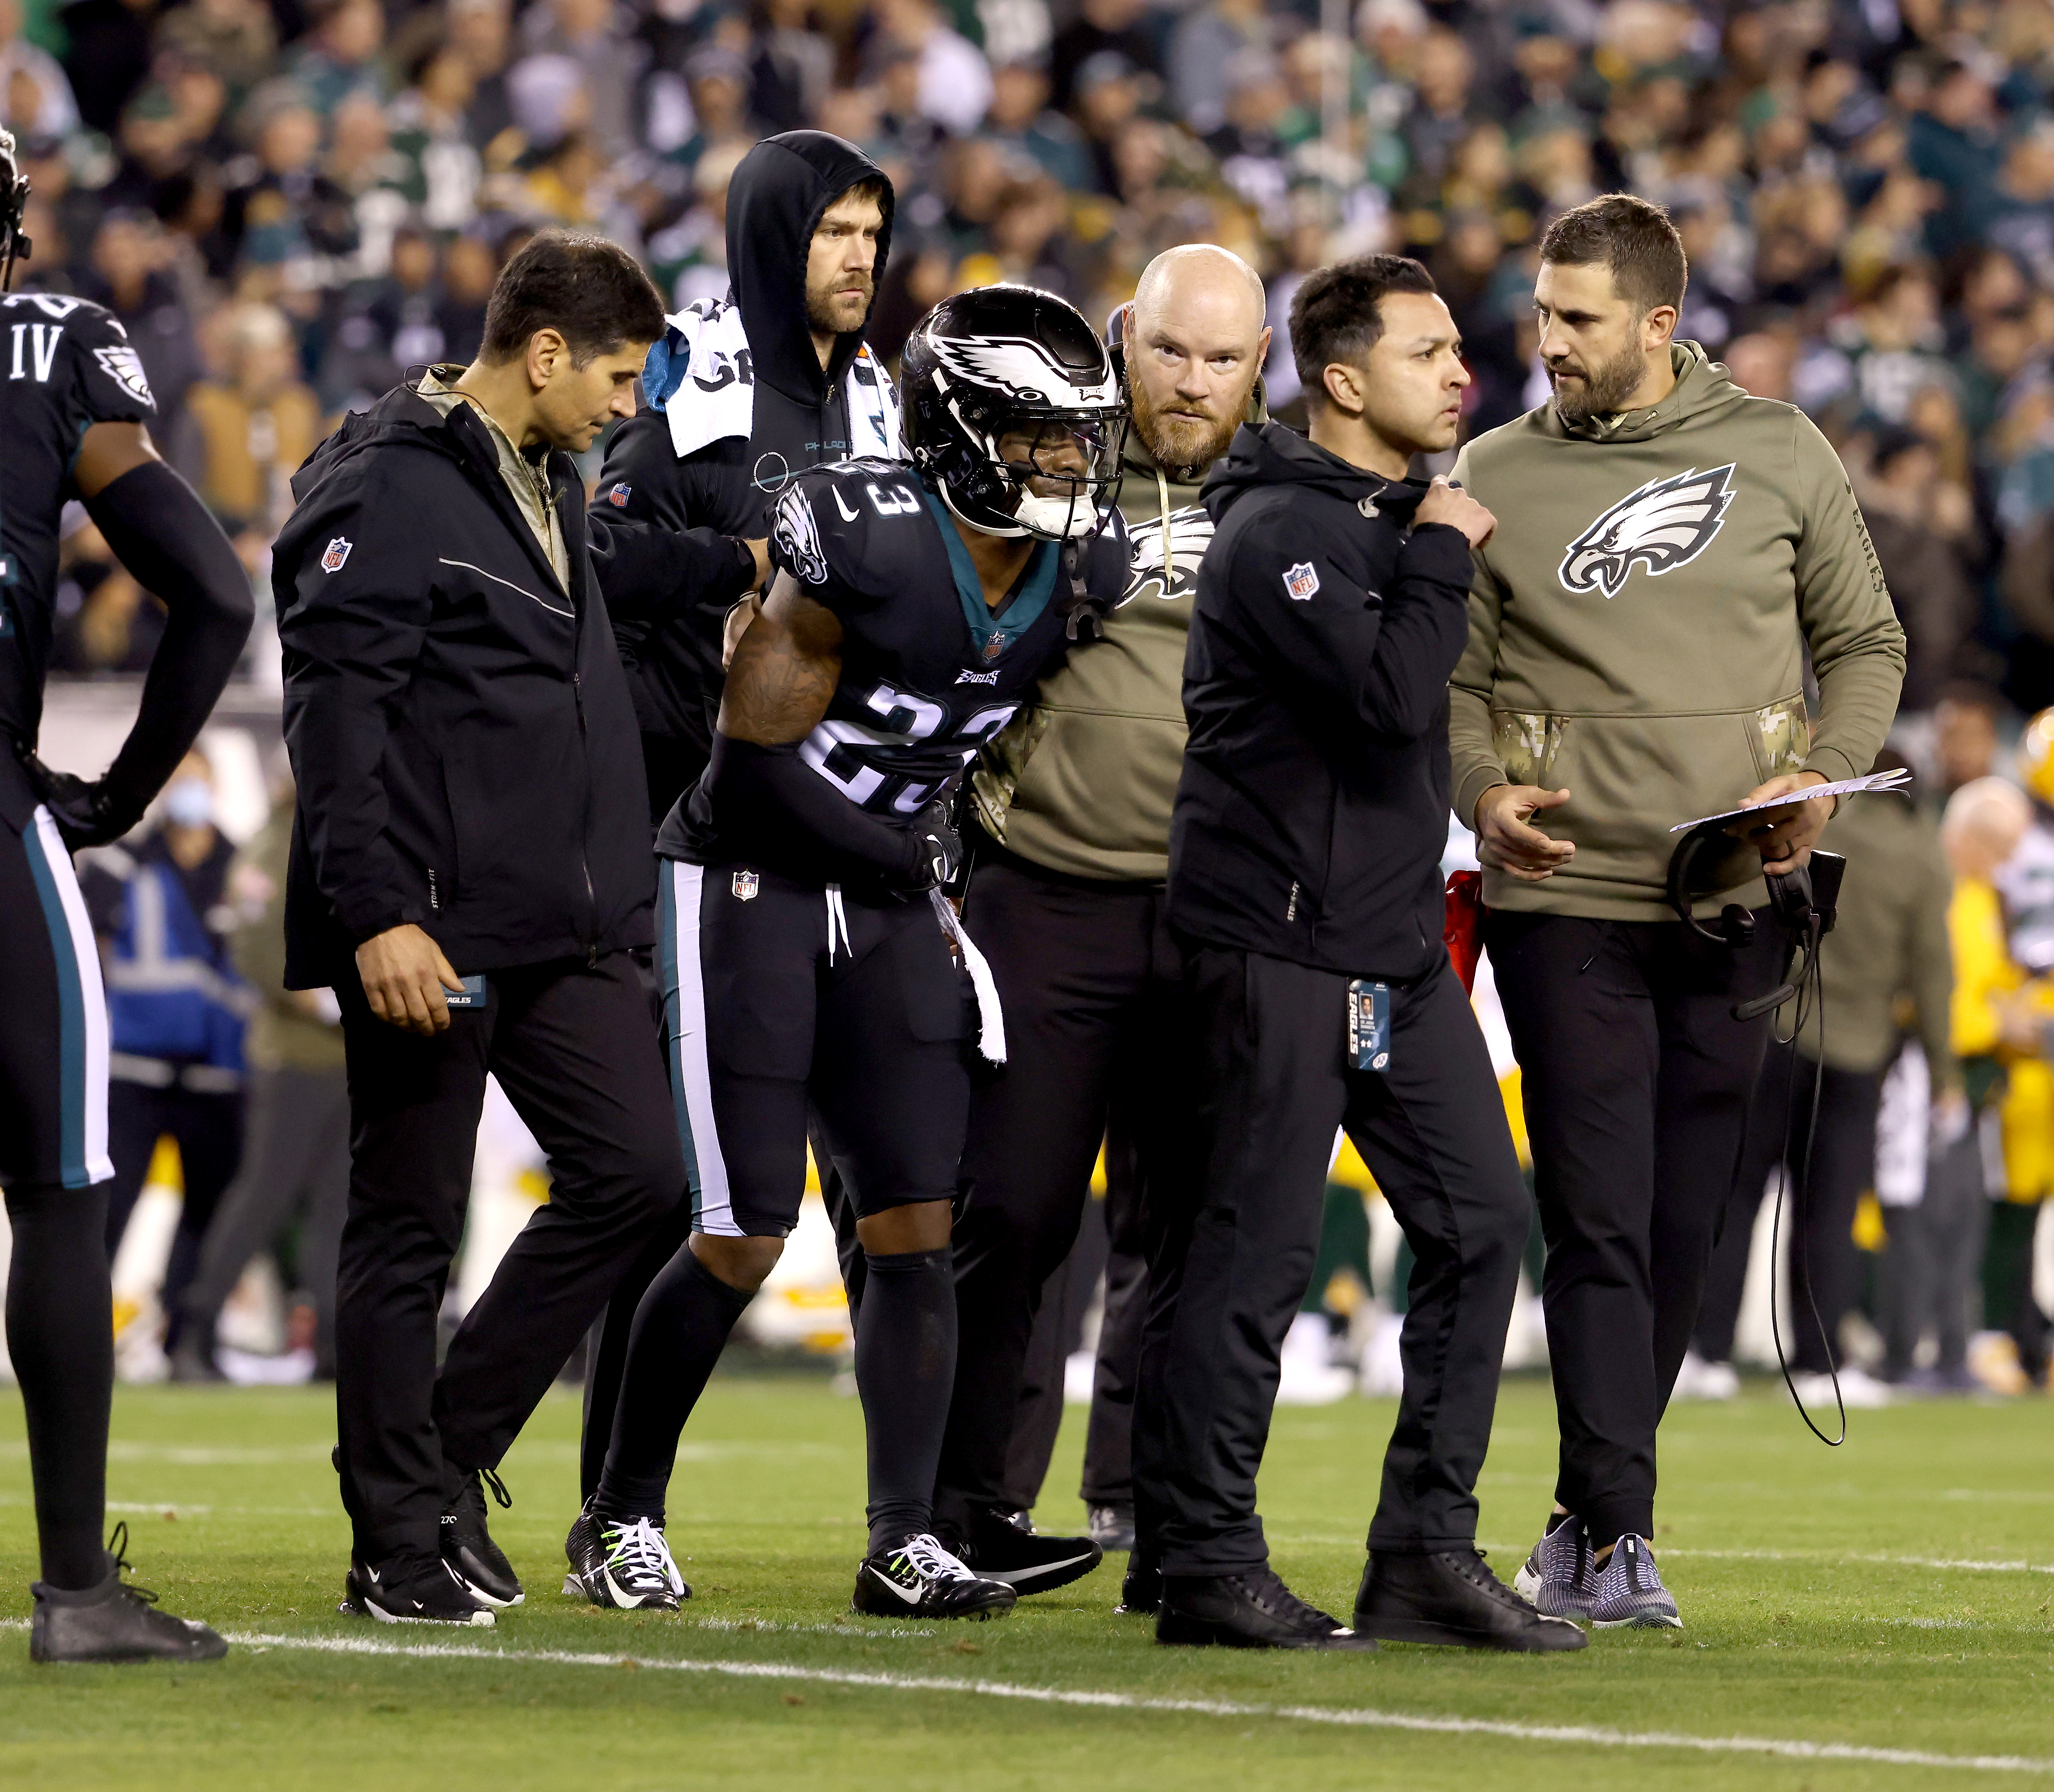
(460, 728)
(1313, 810)
(721, 494)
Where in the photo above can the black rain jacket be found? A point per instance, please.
(460, 728)
(1313, 810)
(715, 496)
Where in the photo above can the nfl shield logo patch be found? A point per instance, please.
(618, 496)
(744, 886)
(1300, 581)
(338, 551)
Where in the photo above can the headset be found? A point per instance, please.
(1806, 901)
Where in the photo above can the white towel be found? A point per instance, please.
(991, 1016)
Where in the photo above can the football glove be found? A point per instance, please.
(88, 814)
(941, 846)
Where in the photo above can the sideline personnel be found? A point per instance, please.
(1305, 876)
(1669, 547)
(472, 825)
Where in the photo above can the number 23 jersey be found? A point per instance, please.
(929, 672)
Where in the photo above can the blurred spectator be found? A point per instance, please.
(954, 81)
(1917, 522)
(235, 38)
(35, 93)
(1965, 738)
(109, 54)
(790, 65)
(126, 274)
(1099, 25)
(176, 1011)
(1021, 122)
(1203, 49)
(106, 621)
(586, 35)
(340, 56)
(242, 436)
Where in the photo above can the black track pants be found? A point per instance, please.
(1274, 1084)
(208, 1127)
(576, 1050)
(1638, 1083)
(1090, 977)
(1818, 1218)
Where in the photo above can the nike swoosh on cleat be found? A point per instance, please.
(885, 1580)
(1012, 1575)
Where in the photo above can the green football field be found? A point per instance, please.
(1873, 1617)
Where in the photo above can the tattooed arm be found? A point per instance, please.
(765, 801)
(785, 669)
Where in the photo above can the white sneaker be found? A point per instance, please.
(1859, 1390)
(1308, 1377)
(1699, 1380)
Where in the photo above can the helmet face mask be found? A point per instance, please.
(1014, 413)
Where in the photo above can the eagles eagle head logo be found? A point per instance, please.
(1025, 371)
(797, 532)
(1665, 524)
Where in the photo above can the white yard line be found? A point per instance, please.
(1574, 1734)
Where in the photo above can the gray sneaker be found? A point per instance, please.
(1630, 1595)
(1559, 1580)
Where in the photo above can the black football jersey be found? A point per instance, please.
(928, 673)
(64, 365)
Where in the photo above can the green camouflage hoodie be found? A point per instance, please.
(1638, 627)
(1082, 781)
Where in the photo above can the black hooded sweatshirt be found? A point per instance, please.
(721, 494)
(461, 730)
(1312, 809)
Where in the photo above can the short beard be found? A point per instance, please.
(1184, 441)
(820, 317)
(1605, 389)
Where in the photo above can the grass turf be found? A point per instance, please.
(1806, 1622)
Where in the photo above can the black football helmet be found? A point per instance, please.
(14, 204)
(1015, 414)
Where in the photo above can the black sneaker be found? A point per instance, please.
(1253, 1610)
(1141, 1588)
(1630, 1595)
(411, 1590)
(114, 1621)
(623, 1564)
(1112, 1527)
(1003, 1546)
(920, 1579)
(479, 1565)
(1452, 1597)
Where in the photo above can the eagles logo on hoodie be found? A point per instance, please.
(1667, 523)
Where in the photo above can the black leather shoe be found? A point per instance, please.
(114, 1622)
(1250, 1611)
(1141, 1588)
(1452, 1598)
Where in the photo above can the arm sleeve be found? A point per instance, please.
(747, 785)
(1843, 606)
(350, 640)
(1375, 662)
(165, 536)
(1932, 967)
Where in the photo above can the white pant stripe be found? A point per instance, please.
(688, 1053)
(92, 995)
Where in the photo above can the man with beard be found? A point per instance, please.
(741, 396)
(1072, 806)
(1618, 707)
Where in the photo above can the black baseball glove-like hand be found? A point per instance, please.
(941, 846)
(88, 814)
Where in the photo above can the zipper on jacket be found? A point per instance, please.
(585, 837)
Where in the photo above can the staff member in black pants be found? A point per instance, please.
(470, 874)
(1305, 877)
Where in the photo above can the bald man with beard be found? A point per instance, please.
(1071, 846)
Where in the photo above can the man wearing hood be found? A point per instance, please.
(742, 394)
(1671, 549)
(1305, 883)
(1072, 803)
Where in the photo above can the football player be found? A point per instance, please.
(807, 950)
(74, 407)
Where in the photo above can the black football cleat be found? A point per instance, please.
(624, 1565)
(411, 1590)
(1452, 1598)
(115, 1621)
(1141, 1587)
(1253, 1610)
(479, 1565)
(920, 1579)
(1003, 1546)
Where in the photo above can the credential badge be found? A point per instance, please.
(744, 886)
(1301, 581)
(338, 551)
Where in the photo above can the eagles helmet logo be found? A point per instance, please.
(1667, 523)
(798, 535)
(1023, 370)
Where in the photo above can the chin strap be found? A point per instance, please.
(1085, 613)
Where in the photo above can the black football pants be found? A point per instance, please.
(1090, 977)
(1638, 1083)
(1818, 1218)
(1234, 1262)
(577, 1051)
